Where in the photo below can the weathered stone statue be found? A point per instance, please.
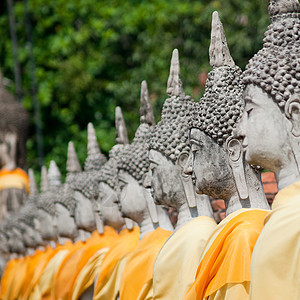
(172, 187)
(80, 190)
(108, 281)
(85, 188)
(169, 150)
(46, 216)
(67, 229)
(270, 131)
(220, 170)
(14, 122)
(133, 164)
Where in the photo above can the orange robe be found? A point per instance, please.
(36, 266)
(16, 178)
(73, 263)
(7, 277)
(136, 279)
(226, 263)
(19, 276)
(108, 281)
(42, 289)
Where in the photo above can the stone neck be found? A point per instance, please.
(146, 226)
(163, 219)
(287, 176)
(254, 201)
(204, 206)
(185, 215)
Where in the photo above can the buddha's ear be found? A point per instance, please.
(235, 156)
(186, 179)
(292, 112)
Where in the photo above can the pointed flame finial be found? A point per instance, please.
(73, 165)
(44, 180)
(146, 112)
(174, 87)
(218, 50)
(54, 176)
(121, 131)
(93, 147)
(33, 187)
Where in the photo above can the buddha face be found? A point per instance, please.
(209, 166)
(264, 130)
(110, 212)
(65, 223)
(47, 225)
(166, 185)
(131, 197)
(84, 213)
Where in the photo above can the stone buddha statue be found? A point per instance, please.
(136, 204)
(172, 187)
(133, 164)
(269, 129)
(107, 205)
(46, 216)
(169, 150)
(66, 226)
(85, 186)
(217, 163)
(108, 281)
(14, 183)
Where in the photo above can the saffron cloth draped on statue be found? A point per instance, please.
(224, 269)
(136, 281)
(109, 274)
(182, 252)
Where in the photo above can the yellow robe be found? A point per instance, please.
(42, 289)
(75, 261)
(109, 274)
(16, 285)
(7, 277)
(92, 257)
(275, 265)
(177, 262)
(136, 280)
(224, 270)
(35, 268)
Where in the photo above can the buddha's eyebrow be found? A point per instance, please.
(152, 160)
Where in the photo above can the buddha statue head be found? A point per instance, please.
(85, 186)
(46, 222)
(270, 125)
(107, 206)
(133, 164)
(216, 159)
(26, 218)
(65, 224)
(169, 150)
(14, 234)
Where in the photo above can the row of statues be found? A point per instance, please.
(105, 233)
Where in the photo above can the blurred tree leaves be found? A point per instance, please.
(92, 55)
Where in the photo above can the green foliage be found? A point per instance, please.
(92, 55)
